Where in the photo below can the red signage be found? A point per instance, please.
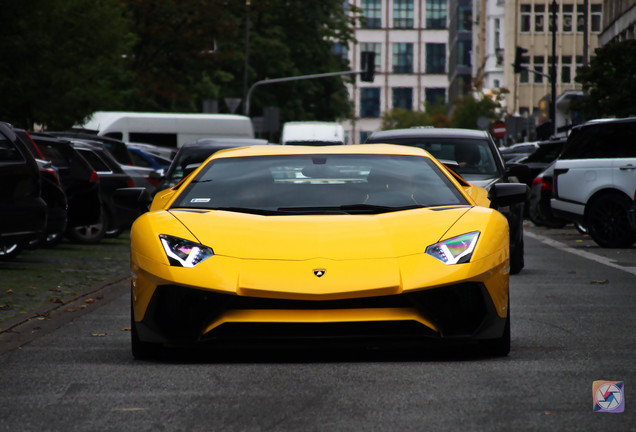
(499, 129)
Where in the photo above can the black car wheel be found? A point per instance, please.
(9, 252)
(607, 221)
(499, 347)
(141, 350)
(89, 234)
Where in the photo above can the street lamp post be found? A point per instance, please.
(553, 72)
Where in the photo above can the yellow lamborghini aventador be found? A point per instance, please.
(378, 242)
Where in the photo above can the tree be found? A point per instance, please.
(398, 118)
(60, 61)
(478, 103)
(609, 82)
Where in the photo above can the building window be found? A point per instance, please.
(464, 48)
(436, 14)
(538, 66)
(464, 19)
(435, 58)
(370, 102)
(372, 12)
(403, 57)
(568, 10)
(341, 51)
(403, 98)
(597, 16)
(403, 13)
(580, 18)
(566, 69)
(539, 18)
(435, 95)
(377, 49)
(526, 17)
(579, 63)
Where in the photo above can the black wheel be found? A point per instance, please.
(141, 350)
(517, 261)
(499, 347)
(607, 221)
(89, 234)
(9, 252)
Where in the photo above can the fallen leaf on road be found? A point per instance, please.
(9, 291)
(70, 310)
(126, 329)
(90, 300)
(600, 282)
(98, 334)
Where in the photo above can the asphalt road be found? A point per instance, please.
(573, 323)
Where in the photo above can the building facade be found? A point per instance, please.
(410, 42)
(619, 21)
(527, 25)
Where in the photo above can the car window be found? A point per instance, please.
(598, 141)
(316, 182)
(96, 162)
(8, 151)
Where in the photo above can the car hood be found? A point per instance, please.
(336, 237)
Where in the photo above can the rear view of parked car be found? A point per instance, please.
(595, 180)
(23, 212)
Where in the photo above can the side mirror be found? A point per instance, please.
(505, 194)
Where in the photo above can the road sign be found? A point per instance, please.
(499, 129)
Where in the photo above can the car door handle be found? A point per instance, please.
(629, 167)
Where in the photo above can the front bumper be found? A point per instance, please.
(178, 315)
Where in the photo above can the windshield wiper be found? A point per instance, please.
(348, 209)
(258, 211)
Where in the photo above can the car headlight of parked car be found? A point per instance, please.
(455, 250)
(184, 253)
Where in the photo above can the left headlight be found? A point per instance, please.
(455, 250)
(184, 253)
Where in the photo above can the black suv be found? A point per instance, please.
(23, 212)
(474, 156)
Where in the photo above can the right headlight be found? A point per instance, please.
(455, 250)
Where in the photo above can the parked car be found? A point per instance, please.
(116, 147)
(542, 157)
(148, 160)
(114, 218)
(595, 179)
(155, 150)
(539, 210)
(78, 178)
(518, 150)
(51, 191)
(191, 155)
(377, 243)
(478, 162)
(23, 212)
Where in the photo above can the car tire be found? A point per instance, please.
(517, 261)
(141, 350)
(607, 221)
(499, 347)
(9, 252)
(89, 234)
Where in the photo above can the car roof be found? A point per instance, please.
(203, 142)
(390, 149)
(427, 133)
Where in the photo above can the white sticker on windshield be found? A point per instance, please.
(200, 200)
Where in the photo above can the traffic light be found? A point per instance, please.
(368, 66)
(519, 59)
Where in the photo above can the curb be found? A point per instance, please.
(21, 330)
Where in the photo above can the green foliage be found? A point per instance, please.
(60, 60)
(609, 82)
(399, 118)
(64, 59)
(470, 107)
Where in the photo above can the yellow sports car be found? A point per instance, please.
(359, 242)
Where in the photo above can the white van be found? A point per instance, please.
(168, 129)
(312, 133)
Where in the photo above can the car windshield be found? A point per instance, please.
(319, 184)
(474, 156)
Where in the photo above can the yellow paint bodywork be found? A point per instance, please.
(362, 255)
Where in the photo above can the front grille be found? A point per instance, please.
(182, 313)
